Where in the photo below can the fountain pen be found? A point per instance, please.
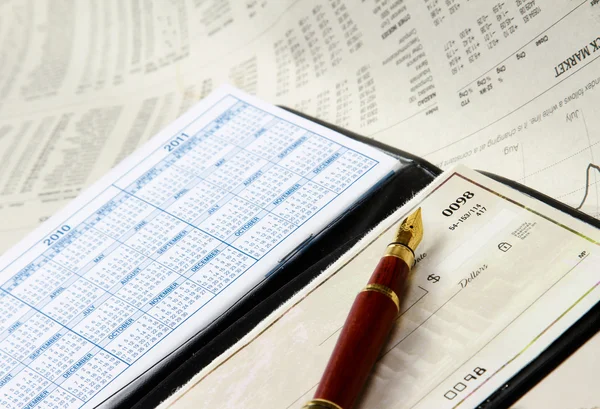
(369, 322)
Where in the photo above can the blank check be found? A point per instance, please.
(499, 277)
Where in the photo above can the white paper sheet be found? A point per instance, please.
(582, 394)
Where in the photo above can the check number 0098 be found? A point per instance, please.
(458, 203)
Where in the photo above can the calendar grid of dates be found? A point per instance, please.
(107, 290)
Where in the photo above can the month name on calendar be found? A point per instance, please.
(108, 289)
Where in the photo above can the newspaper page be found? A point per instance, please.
(509, 87)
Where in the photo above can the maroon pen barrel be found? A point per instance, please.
(365, 331)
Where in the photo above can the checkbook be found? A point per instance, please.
(166, 243)
(501, 278)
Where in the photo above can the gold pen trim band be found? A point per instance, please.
(402, 252)
(387, 291)
(320, 404)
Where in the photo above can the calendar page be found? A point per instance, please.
(165, 243)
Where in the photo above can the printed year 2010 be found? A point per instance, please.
(57, 234)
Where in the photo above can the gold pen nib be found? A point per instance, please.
(410, 232)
